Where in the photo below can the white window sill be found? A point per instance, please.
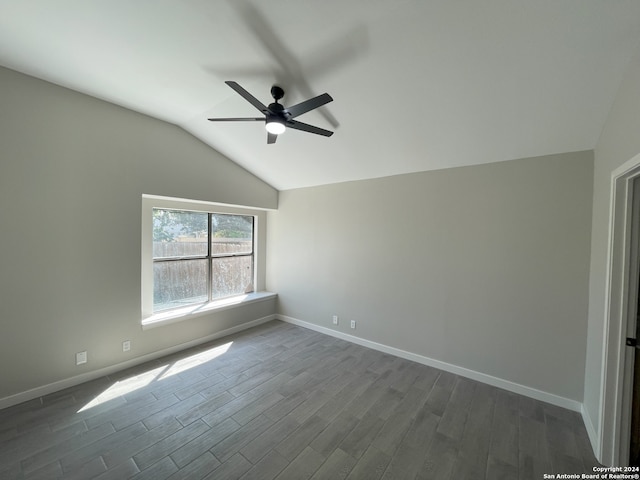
(193, 311)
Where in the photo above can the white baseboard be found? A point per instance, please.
(594, 438)
(101, 372)
(464, 372)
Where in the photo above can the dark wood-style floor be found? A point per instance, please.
(284, 402)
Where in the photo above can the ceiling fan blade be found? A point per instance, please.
(308, 128)
(310, 104)
(236, 119)
(271, 137)
(247, 96)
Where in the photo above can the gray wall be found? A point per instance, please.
(482, 267)
(72, 172)
(619, 142)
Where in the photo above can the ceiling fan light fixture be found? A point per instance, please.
(274, 126)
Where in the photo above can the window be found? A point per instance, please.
(199, 257)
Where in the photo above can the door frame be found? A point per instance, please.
(620, 307)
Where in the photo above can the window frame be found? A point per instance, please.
(210, 256)
(149, 203)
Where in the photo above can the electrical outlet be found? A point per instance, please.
(81, 357)
(353, 324)
(126, 345)
(335, 319)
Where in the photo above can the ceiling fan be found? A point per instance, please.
(276, 117)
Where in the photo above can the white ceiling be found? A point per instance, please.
(417, 84)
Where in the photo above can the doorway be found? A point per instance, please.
(631, 359)
(612, 440)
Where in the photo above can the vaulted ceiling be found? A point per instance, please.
(417, 84)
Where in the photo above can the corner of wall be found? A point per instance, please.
(592, 432)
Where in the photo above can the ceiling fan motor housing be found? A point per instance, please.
(277, 110)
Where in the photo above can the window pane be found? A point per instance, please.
(232, 276)
(179, 234)
(179, 283)
(231, 234)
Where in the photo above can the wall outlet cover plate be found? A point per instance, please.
(81, 357)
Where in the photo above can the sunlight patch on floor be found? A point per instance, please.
(131, 384)
(195, 360)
